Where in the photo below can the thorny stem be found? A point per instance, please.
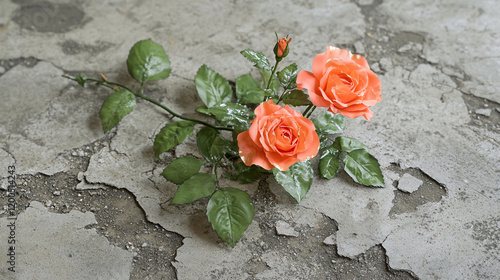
(307, 110)
(310, 113)
(113, 85)
(272, 74)
(281, 96)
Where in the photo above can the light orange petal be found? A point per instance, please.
(250, 153)
(281, 162)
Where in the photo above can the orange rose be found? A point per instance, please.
(278, 137)
(342, 82)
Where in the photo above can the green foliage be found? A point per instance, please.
(297, 180)
(329, 163)
(198, 186)
(231, 114)
(230, 211)
(115, 107)
(81, 79)
(363, 168)
(259, 59)
(248, 90)
(347, 144)
(211, 144)
(329, 123)
(296, 98)
(212, 88)
(171, 135)
(147, 61)
(288, 76)
(179, 170)
(244, 174)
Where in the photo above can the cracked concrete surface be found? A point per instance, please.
(438, 64)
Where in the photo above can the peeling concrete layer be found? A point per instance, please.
(428, 54)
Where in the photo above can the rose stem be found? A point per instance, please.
(108, 85)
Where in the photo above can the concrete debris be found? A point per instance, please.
(409, 184)
(284, 228)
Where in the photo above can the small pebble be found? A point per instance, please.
(2, 70)
(56, 193)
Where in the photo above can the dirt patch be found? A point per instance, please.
(429, 191)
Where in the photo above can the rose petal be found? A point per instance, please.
(250, 153)
(281, 162)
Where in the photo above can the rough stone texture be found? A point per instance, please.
(447, 50)
(284, 228)
(58, 246)
(409, 184)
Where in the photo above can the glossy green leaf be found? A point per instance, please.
(147, 61)
(297, 180)
(363, 168)
(248, 90)
(296, 98)
(323, 140)
(329, 123)
(212, 88)
(171, 135)
(116, 106)
(288, 76)
(244, 174)
(232, 114)
(179, 170)
(203, 110)
(211, 144)
(230, 211)
(198, 186)
(259, 59)
(329, 163)
(347, 144)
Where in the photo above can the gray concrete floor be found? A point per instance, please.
(93, 205)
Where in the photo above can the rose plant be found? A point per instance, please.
(267, 137)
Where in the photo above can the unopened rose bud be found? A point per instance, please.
(281, 48)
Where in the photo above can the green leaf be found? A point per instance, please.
(297, 180)
(244, 174)
(212, 88)
(198, 186)
(230, 211)
(347, 144)
(203, 110)
(323, 140)
(115, 107)
(81, 79)
(296, 98)
(147, 61)
(211, 144)
(329, 163)
(329, 123)
(288, 76)
(259, 59)
(363, 168)
(179, 170)
(171, 135)
(232, 114)
(248, 90)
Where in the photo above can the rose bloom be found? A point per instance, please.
(342, 82)
(278, 137)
